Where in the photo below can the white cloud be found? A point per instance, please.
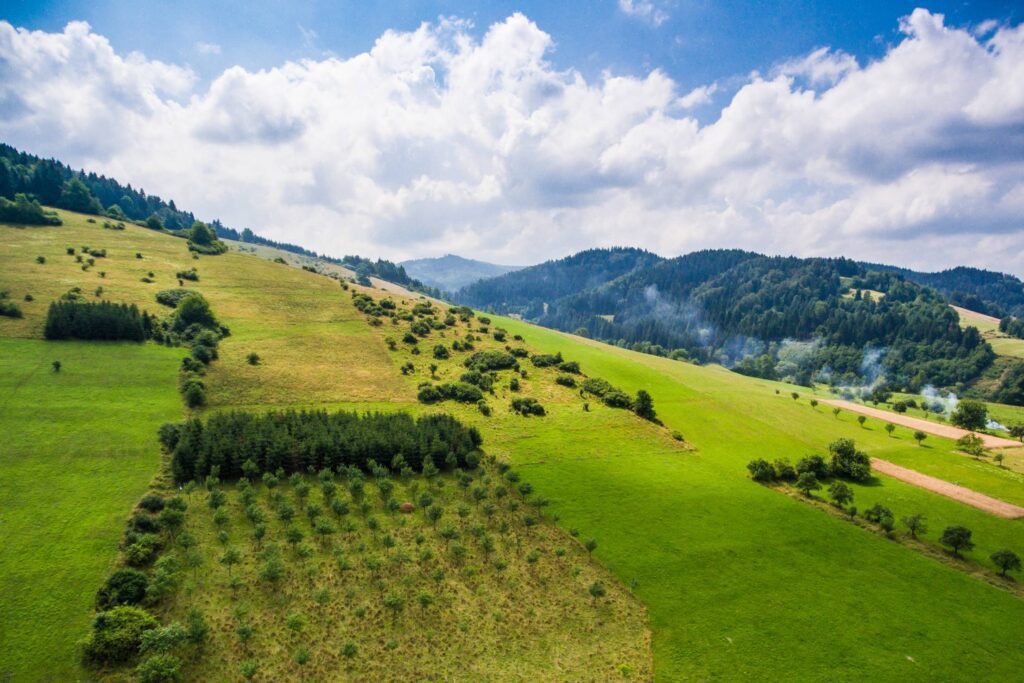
(436, 141)
(207, 48)
(652, 11)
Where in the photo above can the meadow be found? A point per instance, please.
(739, 580)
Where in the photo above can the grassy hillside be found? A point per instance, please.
(77, 452)
(1002, 344)
(740, 581)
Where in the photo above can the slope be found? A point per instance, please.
(450, 273)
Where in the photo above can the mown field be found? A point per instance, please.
(740, 581)
(1002, 344)
(78, 450)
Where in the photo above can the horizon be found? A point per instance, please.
(403, 135)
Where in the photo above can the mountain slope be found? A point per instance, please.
(450, 273)
(984, 291)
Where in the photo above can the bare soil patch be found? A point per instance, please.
(959, 493)
(927, 426)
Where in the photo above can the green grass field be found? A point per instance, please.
(740, 581)
(1002, 344)
(77, 452)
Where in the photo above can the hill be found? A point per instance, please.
(450, 273)
(723, 566)
(994, 294)
(775, 317)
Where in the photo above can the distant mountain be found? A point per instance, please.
(802, 319)
(450, 273)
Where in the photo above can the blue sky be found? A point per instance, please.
(695, 42)
(517, 132)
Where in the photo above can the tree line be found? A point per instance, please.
(237, 443)
(102, 320)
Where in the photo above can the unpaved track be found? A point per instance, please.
(926, 426)
(964, 495)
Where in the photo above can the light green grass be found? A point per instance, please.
(78, 450)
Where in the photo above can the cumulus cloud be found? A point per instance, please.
(648, 10)
(436, 141)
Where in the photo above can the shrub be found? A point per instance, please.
(761, 470)
(485, 361)
(848, 462)
(253, 358)
(25, 211)
(9, 309)
(123, 587)
(545, 360)
(784, 471)
(441, 352)
(162, 668)
(194, 395)
(570, 366)
(565, 381)
(815, 464)
(117, 635)
(172, 297)
(189, 274)
(453, 391)
(527, 406)
(152, 503)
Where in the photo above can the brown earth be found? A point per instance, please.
(959, 493)
(927, 426)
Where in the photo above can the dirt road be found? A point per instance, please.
(964, 495)
(926, 426)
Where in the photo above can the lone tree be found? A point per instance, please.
(56, 366)
(644, 406)
(920, 436)
(591, 546)
(971, 444)
(840, 493)
(861, 420)
(814, 403)
(1017, 431)
(597, 590)
(890, 428)
(1006, 560)
(807, 483)
(971, 415)
(836, 411)
(915, 525)
(957, 538)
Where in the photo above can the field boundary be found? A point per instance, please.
(962, 494)
(935, 428)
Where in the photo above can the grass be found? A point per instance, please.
(78, 450)
(520, 611)
(1002, 344)
(740, 582)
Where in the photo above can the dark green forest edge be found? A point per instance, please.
(833, 321)
(28, 182)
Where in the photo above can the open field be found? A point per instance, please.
(958, 493)
(928, 426)
(739, 581)
(1002, 344)
(78, 450)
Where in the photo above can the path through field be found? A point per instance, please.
(936, 428)
(964, 495)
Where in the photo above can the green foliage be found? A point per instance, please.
(486, 361)
(848, 462)
(161, 668)
(957, 538)
(970, 415)
(527, 406)
(102, 320)
(26, 212)
(123, 587)
(314, 440)
(75, 196)
(462, 392)
(761, 470)
(172, 297)
(1006, 561)
(117, 635)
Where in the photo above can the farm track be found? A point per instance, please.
(926, 426)
(959, 493)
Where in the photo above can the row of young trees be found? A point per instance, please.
(238, 443)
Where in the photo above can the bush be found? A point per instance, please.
(26, 212)
(485, 361)
(253, 358)
(172, 297)
(189, 274)
(848, 462)
(784, 471)
(194, 395)
(527, 406)
(117, 634)
(761, 470)
(565, 381)
(162, 668)
(570, 366)
(123, 587)
(815, 464)
(441, 352)
(152, 503)
(450, 391)
(545, 360)
(9, 309)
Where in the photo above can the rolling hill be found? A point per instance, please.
(734, 580)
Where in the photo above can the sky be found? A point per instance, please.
(519, 132)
